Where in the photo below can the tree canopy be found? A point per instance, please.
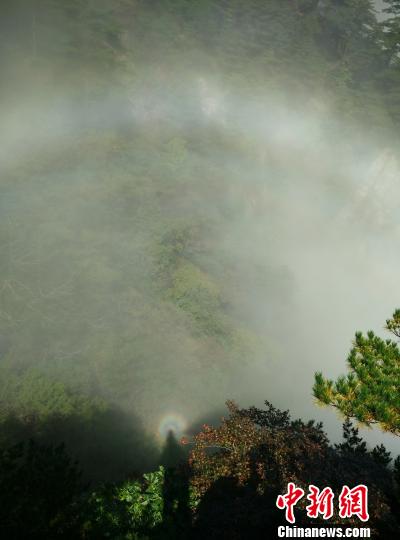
(370, 391)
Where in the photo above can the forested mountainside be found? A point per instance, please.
(193, 194)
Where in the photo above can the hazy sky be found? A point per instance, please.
(301, 250)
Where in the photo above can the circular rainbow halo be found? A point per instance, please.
(171, 422)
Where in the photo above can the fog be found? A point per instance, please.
(192, 241)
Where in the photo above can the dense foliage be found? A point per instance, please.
(228, 488)
(258, 452)
(131, 177)
(107, 441)
(40, 490)
(370, 392)
(142, 144)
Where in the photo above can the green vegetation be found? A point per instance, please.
(161, 161)
(370, 392)
(126, 263)
(40, 491)
(228, 486)
(107, 441)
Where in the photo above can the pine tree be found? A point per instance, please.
(381, 455)
(352, 442)
(371, 391)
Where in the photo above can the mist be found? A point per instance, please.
(187, 239)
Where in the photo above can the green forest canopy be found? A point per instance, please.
(116, 279)
(135, 134)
